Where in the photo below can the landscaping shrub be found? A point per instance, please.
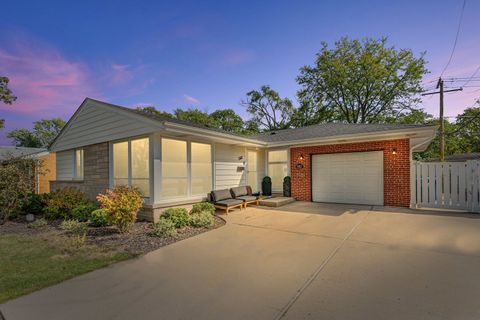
(33, 203)
(82, 212)
(74, 226)
(202, 219)
(203, 207)
(122, 204)
(99, 218)
(164, 228)
(179, 216)
(38, 223)
(60, 203)
(16, 182)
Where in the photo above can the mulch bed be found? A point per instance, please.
(137, 241)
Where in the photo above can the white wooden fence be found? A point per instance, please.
(446, 185)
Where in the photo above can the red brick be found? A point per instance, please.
(396, 168)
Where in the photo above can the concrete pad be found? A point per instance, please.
(365, 281)
(335, 223)
(230, 273)
(443, 233)
(314, 261)
(276, 202)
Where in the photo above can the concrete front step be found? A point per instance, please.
(276, 202)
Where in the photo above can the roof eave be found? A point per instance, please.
(379, 135)
(176, 127)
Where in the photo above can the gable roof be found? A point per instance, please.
(151, 122)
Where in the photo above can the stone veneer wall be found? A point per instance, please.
(95, 172)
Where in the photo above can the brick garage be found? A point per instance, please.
(396, 174)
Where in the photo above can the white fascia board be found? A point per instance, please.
(214, 135)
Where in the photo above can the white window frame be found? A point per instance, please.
(287, 162)
(76, 175)
(189, 195)
(129, 163)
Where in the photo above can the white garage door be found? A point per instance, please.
(355, 177)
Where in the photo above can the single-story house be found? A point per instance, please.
(44, 168)
(176, 162)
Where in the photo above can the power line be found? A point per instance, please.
(456, 38)
(473, 75)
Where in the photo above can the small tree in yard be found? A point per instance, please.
(122, 204)
(16, 182)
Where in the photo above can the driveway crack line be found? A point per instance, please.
(315, 274)
(288, 231)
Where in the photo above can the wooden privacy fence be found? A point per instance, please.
(446, 185)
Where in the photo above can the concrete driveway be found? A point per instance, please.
(300, 261)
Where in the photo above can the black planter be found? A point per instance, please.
(267, 186)
(287, 187)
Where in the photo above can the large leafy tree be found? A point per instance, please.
(461, 136)
(468, 130)
(361, 81)
(43, 133)
(228, 120)
(195, 115)
(6, 95)
(269, 111)
(151, 110)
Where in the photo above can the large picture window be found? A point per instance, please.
(131, 164)
(201, 168)
(174, 168)
(277, 168)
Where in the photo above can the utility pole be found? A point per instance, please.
(442, 124)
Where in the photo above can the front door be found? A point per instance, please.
(252, 175)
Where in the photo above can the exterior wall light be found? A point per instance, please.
(301, 157)
(394, 151)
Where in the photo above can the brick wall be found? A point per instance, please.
(95, 172)
(396, 168)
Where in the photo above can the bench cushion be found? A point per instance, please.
(239, 191)
(247, 198)
(219, 195)
(229, 202)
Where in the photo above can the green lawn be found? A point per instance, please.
(28, 263)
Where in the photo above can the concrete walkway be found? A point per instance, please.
(300, 261)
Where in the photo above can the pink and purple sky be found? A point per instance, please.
(207, 54)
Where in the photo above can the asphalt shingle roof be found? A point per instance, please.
(313, 131)
(329, 130)
(10, 151)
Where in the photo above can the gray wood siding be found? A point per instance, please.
(65, 165)
(228, 168)
(96, 123)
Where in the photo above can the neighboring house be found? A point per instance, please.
(460, 157)
(176, 162)
(45, 164)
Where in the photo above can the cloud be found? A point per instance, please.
(46, 83)
(190, 99)
(120, 74)
(238, 56)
